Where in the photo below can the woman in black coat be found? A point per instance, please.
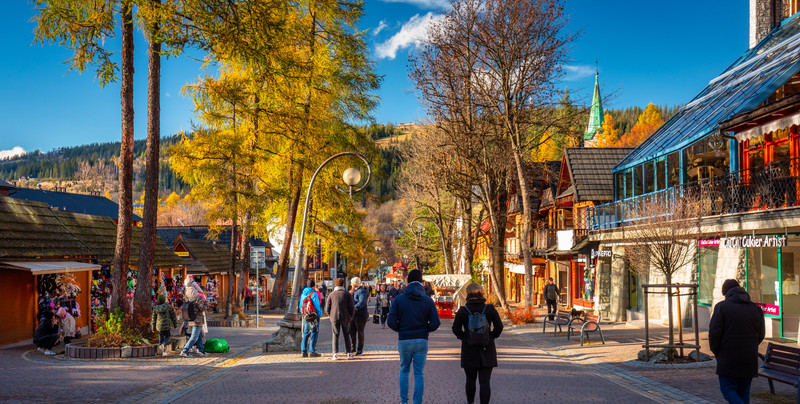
(476, 360)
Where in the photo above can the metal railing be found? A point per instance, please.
(766, 187)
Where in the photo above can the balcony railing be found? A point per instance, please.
(760, 188)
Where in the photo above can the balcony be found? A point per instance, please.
(762, 188)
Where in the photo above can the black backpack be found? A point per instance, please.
(477, 328)
(189, 311)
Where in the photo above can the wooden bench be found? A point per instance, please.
(561, 317)
(781, 363)
(585, 325)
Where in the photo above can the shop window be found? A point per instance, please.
(763, 282)
(637, 181)
(706, 158)
(661, 174)
(706, 274)
(628, 183)
(673, 170)
(649, 177)
(635, 282)
(790, 288)
(619, 182)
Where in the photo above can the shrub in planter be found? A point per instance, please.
(115, 330)
(524, 315)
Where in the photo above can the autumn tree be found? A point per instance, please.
(84, 27)
(646, 124)
(608, 134)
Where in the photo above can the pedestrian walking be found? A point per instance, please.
(162, 321)
(734, 333)
(382, 304)
(195, 313)
(478, 352)
(550, 293)
(429, 290)
(395, 290)
(66, 325)
(361, 301)
(311, 311)
(46, 335)
(340, 308)
(413, 315)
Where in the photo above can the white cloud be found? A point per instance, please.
(380, 27)
(412, 33)
(577, 72)
(424, 4)
(16, 151)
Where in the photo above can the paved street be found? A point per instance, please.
(534, 367)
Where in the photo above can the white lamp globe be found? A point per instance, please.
(351, 177)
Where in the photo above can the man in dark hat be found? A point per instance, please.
(413, 315)
(736, 329)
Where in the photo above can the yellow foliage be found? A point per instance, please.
(608, 134)
(647, 123)
(548, 150)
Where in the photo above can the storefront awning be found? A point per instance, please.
(769, 127)
(52, 267)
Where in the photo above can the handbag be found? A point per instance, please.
(376, 318)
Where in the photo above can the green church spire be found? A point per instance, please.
(596, 112)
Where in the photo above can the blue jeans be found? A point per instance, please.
(195, 339)
(735, 390)
(412, 351)
(310, 334)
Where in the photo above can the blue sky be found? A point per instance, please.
(659, 52)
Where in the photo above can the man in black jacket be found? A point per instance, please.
(736, 329)
(413, 315)
(340, 308)
(550, 293)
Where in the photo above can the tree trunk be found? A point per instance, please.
(144, 281)
(669, 309)
(231, 299)
(527, 220)
(499, 219)
(122, 250)
(279, 288)
(244, 269)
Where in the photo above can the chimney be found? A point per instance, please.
(764, 16)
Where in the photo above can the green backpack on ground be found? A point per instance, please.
(216, 345)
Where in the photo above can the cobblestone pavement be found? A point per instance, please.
(534, 367)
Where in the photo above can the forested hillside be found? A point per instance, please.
(86, 168)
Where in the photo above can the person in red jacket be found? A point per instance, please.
(734, 333)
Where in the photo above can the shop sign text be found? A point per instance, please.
(601, 254)
(714, 242)
(770, 309)
(752, 241)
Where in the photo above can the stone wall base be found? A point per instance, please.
(287, 338)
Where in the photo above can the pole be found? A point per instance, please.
(292, 312)
(258, 290)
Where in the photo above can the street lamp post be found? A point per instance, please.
(364, 252)
(351, 178)
(288, 336)
(441, 237)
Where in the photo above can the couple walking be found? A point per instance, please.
(413, 315)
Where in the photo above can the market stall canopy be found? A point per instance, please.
(52, 267)
(444, 281)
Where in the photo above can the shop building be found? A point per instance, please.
(51, 259)
(731, 155)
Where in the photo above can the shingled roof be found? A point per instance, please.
(31, 229)
(70, 202)
(589, 169)
(206, 257)
(170, 234)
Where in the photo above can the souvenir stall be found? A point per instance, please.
(171, 285)
(56, 291)
(212, 293)
(447, 290)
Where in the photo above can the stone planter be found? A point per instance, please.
(230, 323)
(81, 351)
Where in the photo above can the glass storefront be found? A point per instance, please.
(706, 274)
(773, 282)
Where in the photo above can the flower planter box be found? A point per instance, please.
(81, 351)
(229, 323)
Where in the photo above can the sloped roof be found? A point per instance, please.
(66, 201)
(31, 229)
(170, 234)
(206, 257)
(590, 171)
(595, 111)
(747, 83)
(4, 184)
